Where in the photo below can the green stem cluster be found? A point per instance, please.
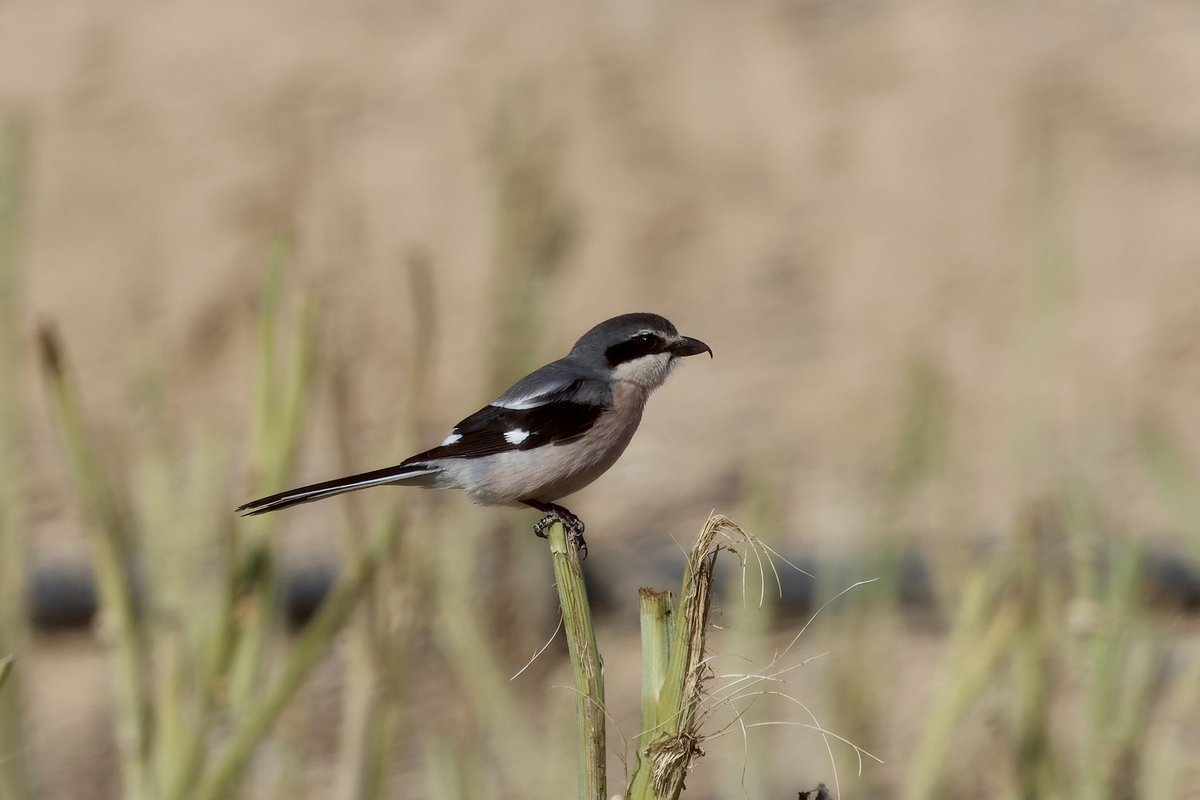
(673, 669)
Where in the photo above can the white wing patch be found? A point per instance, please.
(516, 436)
(453, 438)
(522, 403)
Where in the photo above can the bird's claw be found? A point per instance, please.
(572, 523)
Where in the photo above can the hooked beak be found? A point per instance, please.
(687, 346)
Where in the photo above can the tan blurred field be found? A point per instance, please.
(947, 255)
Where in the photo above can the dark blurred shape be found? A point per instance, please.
(794, 596)
(49, 349)
(613, 580)
(1170, 581)
(304, 590)
(61, 597)
(819, 793)
(601, 592)
(914, 583)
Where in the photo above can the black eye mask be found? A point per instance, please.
(644, 344)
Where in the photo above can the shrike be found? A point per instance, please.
(554, 432)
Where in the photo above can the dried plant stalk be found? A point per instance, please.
(672, 734)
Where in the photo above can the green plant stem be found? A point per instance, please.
(111, 559)
(470, 648)
(10, 783)
(658, 625)
(585, 662)
(311, 646)
(15, 783)
(367, 699)
(283, 377)
(983, 635)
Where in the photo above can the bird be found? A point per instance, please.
(551, 434)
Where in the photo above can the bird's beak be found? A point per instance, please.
(687, 346)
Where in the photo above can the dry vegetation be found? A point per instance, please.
(947, 255)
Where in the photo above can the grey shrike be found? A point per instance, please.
(554, 432)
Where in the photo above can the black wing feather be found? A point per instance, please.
(483, 433)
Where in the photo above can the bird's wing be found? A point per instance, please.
(542, 409)
(551, 406)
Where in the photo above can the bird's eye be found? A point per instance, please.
(646, 338)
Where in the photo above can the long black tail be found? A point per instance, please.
(403, 473)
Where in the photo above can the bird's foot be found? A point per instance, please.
(572, 523)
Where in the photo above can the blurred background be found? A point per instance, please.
(947, 255)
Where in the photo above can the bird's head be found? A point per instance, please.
(637, 348)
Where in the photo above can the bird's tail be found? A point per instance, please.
(407, 473)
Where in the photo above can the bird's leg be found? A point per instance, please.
(556, 513)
